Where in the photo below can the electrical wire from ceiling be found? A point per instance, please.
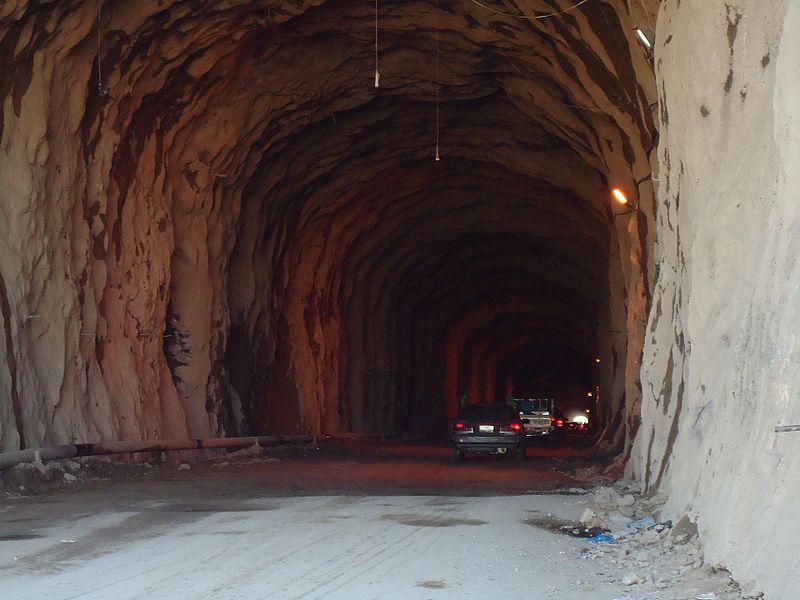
(438, 85)
(377, 72)
(102, 90)
(526, 17)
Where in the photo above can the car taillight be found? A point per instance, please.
(459, 426)
(515, 427)
(559, 422)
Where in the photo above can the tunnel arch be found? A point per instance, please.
(260, 240)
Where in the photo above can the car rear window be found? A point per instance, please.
(487, 412)
(533, 405)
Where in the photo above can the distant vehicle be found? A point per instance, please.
(541, 418)
(537, 416)
(488, 428)
(577, 427)
(560, 425)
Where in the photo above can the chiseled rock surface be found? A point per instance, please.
(223, 227)
(721, 359)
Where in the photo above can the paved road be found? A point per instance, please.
(351, 522)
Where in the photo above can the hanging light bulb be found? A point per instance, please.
(377, 79)
(437, 152)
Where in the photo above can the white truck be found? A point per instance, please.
(538, 416)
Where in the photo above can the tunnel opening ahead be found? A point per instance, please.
(255, 238)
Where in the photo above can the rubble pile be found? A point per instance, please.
(35, 478)
(658, 560)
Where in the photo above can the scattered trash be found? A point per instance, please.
(184, 467)
(652, 555)
(662, 526)
(645, 523)
(621, 527)
(581, 531)
(67, 541)
(602, 537)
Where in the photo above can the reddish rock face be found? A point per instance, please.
(214, 223)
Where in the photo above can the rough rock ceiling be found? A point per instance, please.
(228, 228)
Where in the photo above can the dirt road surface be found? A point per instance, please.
(349, 521)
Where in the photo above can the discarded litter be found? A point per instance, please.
(645, 523)
(601, 537)
(582, 531)
(708, 596)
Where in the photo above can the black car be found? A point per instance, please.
(488, 428)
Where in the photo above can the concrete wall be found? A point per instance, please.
(721, 362)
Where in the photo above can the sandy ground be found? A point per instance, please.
(355, 522)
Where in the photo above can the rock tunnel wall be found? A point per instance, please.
(213, 223)
(721, 357)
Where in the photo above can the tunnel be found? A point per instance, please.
(229, 217)
(263, 241)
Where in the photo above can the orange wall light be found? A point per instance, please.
(619, 196)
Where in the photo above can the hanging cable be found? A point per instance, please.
(527, 18)
(102, 90)
(377, 73)
(436, 155)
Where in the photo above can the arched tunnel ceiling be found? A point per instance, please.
(261, 239)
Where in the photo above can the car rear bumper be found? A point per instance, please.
(538, 432)
(486, 443)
